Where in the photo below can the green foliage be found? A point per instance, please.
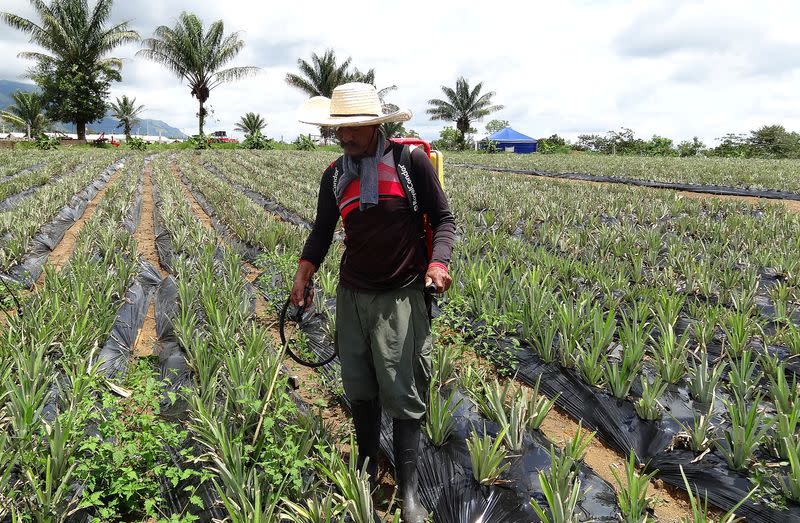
(27, 113)
(127, 113)
(450, 139)
(353, 484)
(790, 484)
(122, 465)
(496, 125)
(304, 143)
(322, 75)
(74, 72)
(439, 422)
(745, 434)
(46, 143)
(251, 123)
(487, 457)
(258, 141)
(393, 129)
(490, 146)
(463, 105)
(199, 142)
(632, 491)
(700, 510)
(561, 488)
(136, 144)
(553, 145)
(648, 407)
(197, 56)
(692, 148)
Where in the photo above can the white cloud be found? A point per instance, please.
(676, 68)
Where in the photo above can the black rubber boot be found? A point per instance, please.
(367, 422)
(406, 451)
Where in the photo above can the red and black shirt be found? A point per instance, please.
(385, 245)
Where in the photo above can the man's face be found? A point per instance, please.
(356, 141)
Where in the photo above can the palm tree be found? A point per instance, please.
(197, 57)
(251, 123)
(323, 75)
(392, 129)
(463, 105)
(26, 113)
(125, 110)
(74, 70)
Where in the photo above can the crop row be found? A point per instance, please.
(19, 224)
(268, 457)
(519, 271)
(782, 175)
(51, 387)
(12, 162)
(36, 177)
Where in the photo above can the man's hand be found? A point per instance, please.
(301, 280)
(437, 275)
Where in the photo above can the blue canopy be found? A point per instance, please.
(510, 140)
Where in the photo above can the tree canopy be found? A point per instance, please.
(126, 112)
(197, 56)
(463, 105)
(27, 113)
(250, 123)
(74, 71)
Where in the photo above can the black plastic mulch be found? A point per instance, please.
(689, 187)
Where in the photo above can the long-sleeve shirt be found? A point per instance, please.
(385, 245)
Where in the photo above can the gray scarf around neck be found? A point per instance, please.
(366, 170)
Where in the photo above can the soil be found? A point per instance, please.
(63, 251)
(146, 248)
(671, 504)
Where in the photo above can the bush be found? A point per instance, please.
(304, 143)
(136, 144)
(199, 142)
(257, 140)
(46, 143)
(450, 139)
(490, 146)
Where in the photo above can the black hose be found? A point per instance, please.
(298, 317)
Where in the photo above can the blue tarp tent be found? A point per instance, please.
(511, 141)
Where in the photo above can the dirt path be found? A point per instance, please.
(146, 248)
(63, 251)
(672, 504)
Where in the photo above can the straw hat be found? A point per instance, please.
(351, 105)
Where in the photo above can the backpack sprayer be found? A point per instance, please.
(296, 316)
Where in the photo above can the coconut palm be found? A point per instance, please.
(27, 113)
(463, 106)
(73, 69)
(126, 111)
(393, 129)
(197, 57)
(251, 123)
(322, 75)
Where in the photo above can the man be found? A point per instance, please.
(382, 320)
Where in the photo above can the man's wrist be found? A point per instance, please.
(438, 264)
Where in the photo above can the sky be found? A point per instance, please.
(677, 68)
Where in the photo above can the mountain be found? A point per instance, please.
(106, 125)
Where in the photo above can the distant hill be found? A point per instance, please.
(107, 124)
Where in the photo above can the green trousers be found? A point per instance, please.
(384, 342)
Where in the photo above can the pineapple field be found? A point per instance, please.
(608, 351)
